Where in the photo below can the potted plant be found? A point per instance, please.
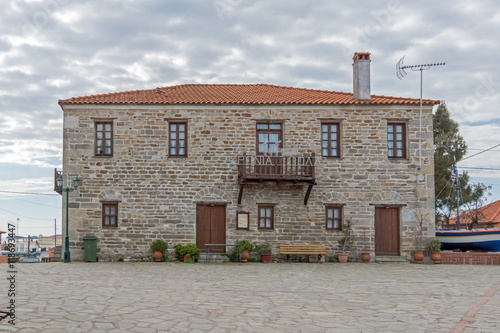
(246, 246)
(191, 252)
(346, 240)
(158, 247)
(365, 256)
(418, 256)
(265, 252)
(186, 252)
(434, 248)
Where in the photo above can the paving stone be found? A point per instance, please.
(352, 298)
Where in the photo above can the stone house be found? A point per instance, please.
(214, 163)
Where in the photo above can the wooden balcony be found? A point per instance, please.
(275, 168)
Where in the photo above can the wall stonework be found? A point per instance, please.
(157, 194)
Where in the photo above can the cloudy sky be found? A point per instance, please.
(56, 49)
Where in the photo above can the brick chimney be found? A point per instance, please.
(361, 76)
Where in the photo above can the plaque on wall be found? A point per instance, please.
(242, 220)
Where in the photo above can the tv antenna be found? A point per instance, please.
(401, 73)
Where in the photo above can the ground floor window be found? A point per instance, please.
(110, 214)
(333, 218)
(266, 217)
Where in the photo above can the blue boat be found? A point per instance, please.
(470, 240)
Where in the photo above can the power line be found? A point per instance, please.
(35, 203)
(26, 217)
(463, 159)
(478, 168)
(31, 193)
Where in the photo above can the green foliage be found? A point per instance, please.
(193, 251)
(245, 244)
(120, 259)
(179, 251)
(252, 260)
(263, 249)
(305, 259)
(347, 237)
(434, 246)
(449, 144)
(190, 261)
(159, 245)
(190, 250)
(232, 256)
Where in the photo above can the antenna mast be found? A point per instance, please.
(401, 73)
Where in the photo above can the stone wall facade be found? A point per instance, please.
(157, 194)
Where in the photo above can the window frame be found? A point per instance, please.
(177, 123)
(329, 140)
(268, 131)
(340, 218)
(394, 149)
(259, 217)
(103, 139)
(104, 215)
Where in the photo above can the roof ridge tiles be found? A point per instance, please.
(233, 93)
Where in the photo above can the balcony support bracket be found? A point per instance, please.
(308, 193)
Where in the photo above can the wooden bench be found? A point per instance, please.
(319, 250)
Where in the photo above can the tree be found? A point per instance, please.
(474, 212)
(449, 146)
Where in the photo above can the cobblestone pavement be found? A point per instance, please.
(252, 297)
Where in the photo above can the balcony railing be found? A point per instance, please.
(57, 174)
(275, 167)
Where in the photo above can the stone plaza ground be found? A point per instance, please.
(254, 297)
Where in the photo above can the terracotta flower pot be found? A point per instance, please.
(158, 255)
(187, 257)
(266, 257)
(365, 257)
(244, 255)
(436, 258)
(418, 257)
(343, 257)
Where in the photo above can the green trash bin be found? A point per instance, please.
(90, 248)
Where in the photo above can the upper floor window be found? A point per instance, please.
(269, 138)
(104, 138)
(333, 218)
(178, 139)
(396, 140)
(110, 214)
(330, 135)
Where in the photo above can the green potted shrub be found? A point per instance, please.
(346, 240)
(192, 252)
(186, 252)
(158, 247)
(246, 246)
(434, 248)
(265, 252)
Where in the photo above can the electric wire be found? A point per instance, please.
(463, 159)
(26, 217)
(30, 193)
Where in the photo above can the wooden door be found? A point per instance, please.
(387, 235)
(211, 226)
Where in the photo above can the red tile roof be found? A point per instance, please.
(237, 94)
(489, 216)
